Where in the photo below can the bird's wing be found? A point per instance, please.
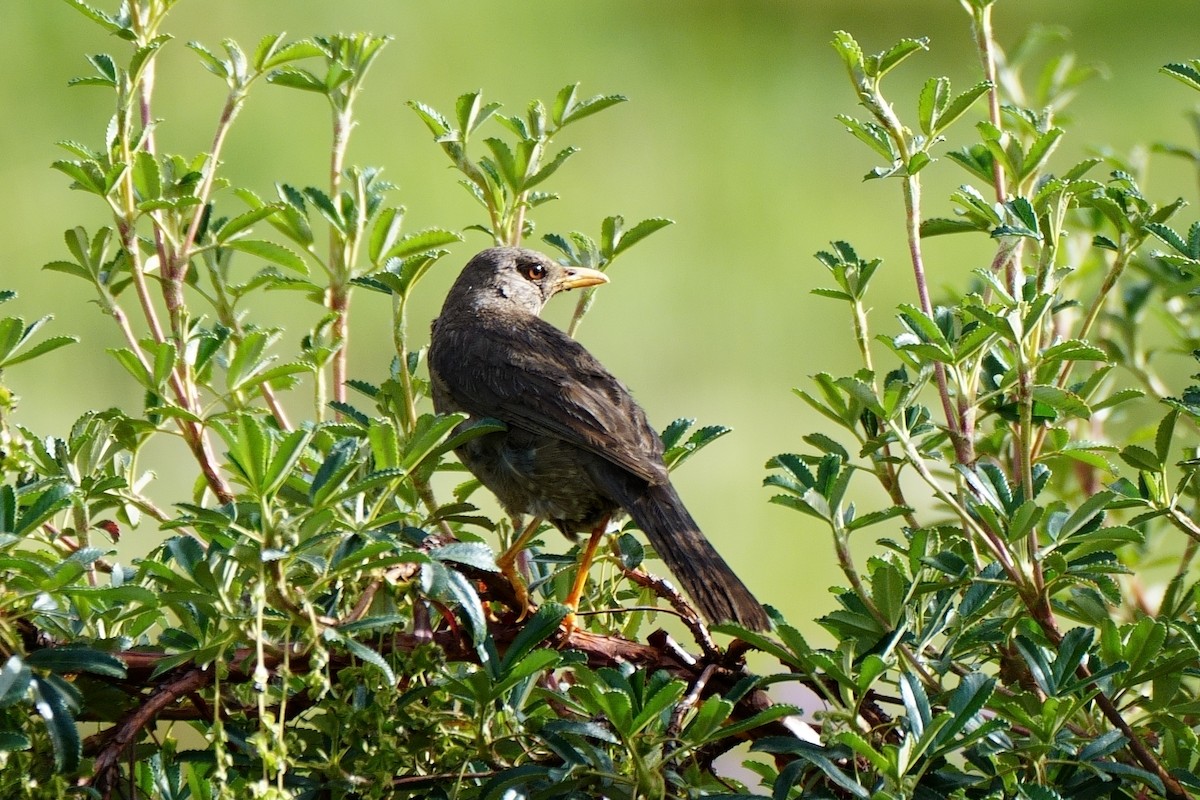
(530, 374)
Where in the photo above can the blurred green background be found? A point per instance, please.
(729, 131)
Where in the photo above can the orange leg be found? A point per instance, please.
(507, 562)
(569, 622)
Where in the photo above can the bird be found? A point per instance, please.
(576, 449)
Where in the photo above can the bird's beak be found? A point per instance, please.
(579, 277)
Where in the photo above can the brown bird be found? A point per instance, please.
(577, 448)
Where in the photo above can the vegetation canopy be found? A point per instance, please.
(323, 616)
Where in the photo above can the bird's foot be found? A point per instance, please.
(507, 562)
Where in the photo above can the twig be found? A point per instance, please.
(126, 732)
(691, 619)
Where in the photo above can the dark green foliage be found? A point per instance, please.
(333, 627)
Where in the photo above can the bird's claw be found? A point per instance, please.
(507, 563)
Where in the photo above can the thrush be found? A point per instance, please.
(576, 449)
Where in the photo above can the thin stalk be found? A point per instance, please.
(400, 339)
(993, 542)
(339, 304)
(193, 434)
(582, 306)
(986, 44)
(339, 263)
(888, 478)
(841, 545)
(860, 335)
(964, 448)
(518, 221)
(1124, 253)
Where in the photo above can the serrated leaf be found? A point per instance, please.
(270, 251)
(870, 134)
(421, 242)
(586, 108)
(48, 503)
(473, 554)
(360, 650)
(231, 227)
(55, 711)
(1062, 401)
(1170, 238)
(1039, 151)
(940, 226)
(934, 97)
(632, 236)
(41, 348)
(296, 78)
(959, 106)
(901, 50)
(73, 658)
(548, 169)
(1140, 458)
(147, 178)
(539, 627)
(468, 600)
(1073, 350)
(1185, 73)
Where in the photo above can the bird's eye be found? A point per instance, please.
(532, 270)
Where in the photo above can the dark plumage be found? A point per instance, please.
(577, 448)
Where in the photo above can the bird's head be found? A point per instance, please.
(513, 278)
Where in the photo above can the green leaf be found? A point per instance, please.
(872, 135)
(41, 348)
(433, 120)
(50, 502)
(1073, 350)
(333, 470)
(147, 178)
(428, 439)
(816, 755)
(360, 650)
(72, 658)
(708, 718)
(933, 100)
(1188, 73)
(1039, 151)
(231, 227)
(287, 455)
(269, 55)
(1141, 458)
(916, 703)
(849, 50)
(1163, 436)
(638, 232)
(567, 110)
(15, 679)
(539, 627)
(421, 242)
(1062, 401)
(973, 692)
(959, 106)
(657, 703)
(473, 554)
(896, 53)
(270, 251)
(295, 78)
(468, 600)
(99, 17)
(55, 711)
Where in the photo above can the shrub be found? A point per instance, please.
(325, 613)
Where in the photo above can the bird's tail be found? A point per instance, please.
(707, 579)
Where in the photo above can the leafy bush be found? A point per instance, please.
(324, 611)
